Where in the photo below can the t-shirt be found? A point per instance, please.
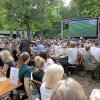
(95, 51)
(72, 55)
(25, 71)
(45, 93)
(88, 61)
(38, 75)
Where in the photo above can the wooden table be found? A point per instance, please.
(6, 87)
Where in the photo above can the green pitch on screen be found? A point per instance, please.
(85, 28)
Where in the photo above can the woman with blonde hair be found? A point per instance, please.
(53, 74)
(68, 89)
(25, 74)
(8, 62)
(39, 62)
(39, 73)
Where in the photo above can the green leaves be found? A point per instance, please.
(37, 15)
(91, 8)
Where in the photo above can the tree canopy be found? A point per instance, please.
(43, 15)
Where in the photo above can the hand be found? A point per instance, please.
(3, 72)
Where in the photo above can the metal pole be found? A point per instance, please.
(98, 28)
(61, 29)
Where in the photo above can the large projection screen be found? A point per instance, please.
(83, 27)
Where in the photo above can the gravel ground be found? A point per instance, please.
(87, 83)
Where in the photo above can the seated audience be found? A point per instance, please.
(68, 89)
(72, 54)
(39, 73)
(72, 57)
(25, 74)
(8, 61)
(95, 51)
(89, 60)
(48, 61)
(53, 74)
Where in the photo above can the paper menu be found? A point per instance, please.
(14, 75)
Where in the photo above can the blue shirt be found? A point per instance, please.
(40, 47)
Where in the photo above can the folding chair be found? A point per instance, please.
(36, 85)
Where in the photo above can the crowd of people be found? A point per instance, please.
(51, 60)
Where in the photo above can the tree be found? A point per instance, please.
(32, 15)
(89, 8)
(3, 20)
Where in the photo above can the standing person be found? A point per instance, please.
(25, 75)
(53, 74)
(25, 46)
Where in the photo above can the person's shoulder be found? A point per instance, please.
(28, 71)
(25, 66)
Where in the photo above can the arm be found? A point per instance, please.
(5, 68)
(27, 88)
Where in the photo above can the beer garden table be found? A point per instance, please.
(6, 86)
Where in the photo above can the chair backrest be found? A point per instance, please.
(36, 84)
(80, 57)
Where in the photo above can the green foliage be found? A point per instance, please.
(90, 8)
(39, 15)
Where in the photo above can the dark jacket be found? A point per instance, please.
(38, 75)
(25, 46)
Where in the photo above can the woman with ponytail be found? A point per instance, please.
(25, 74)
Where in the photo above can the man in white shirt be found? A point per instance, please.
(72, 56)
(95, 50)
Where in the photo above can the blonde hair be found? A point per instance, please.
(6, 55)
(39, 62)
(22, 58)
(53, 74)
(68, 89)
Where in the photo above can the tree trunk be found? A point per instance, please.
(28, 31)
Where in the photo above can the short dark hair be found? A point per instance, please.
(44, 54)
